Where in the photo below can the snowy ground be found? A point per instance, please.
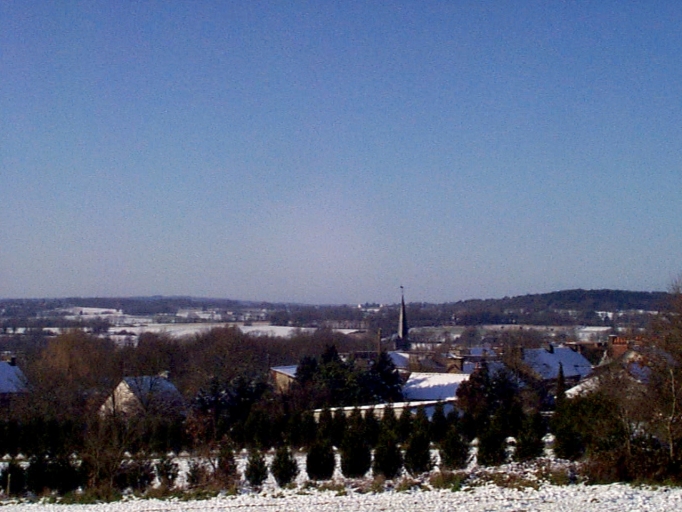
(517, 487)
(486, 498)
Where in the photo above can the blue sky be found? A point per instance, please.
(329, 152)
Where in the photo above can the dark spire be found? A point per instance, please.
(403, 329)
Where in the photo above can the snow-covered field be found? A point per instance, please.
(581, 498)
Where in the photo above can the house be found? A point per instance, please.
(425, 390)
(136, 396)
(12, 379)
(12, 382)
(283, 376)
(545, 363)
(433, 386)
(630, 371)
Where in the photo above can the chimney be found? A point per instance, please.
(13, 361)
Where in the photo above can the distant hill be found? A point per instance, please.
(580, 300)
(578, 306)
(568, 307)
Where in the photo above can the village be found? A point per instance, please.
(199, 394)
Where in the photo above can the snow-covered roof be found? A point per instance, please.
(145, 394)
(546, 362)
(400, 359)
(433, 386)
(583, 388)
(482, 352)
(151, 385)
(12, 379)
(289, 371)
(468, 367)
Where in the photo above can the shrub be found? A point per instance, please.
(418, 453)
(38, 478)
(439, 423)
(256, 470)
(198, 474)
(55, 475)
(320, 461)
(308, 429)
(388, 460)
(404, 425)
(491, 448)
(389, 423)
(338, 427)
(372, 428)
(454, 450)
(447, 480)
(135, 474)
(325, 426)
(648, 460)
(284, 467)
(16, 476)
(529, 443)
(226, 472)
(356, 456)
(167, 471)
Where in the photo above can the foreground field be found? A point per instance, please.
(616, 497)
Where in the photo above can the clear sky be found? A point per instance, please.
(331, 151)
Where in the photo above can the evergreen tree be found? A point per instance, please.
(388, 459)
(284, 467)
(404, 426)
(454, 450)
(505, 404)
(439, 423)
(529, 443)
(37, 475)
(325, 426)
(389, 423)
(136, 473)
(258, 429)
(308, 429)
(569, 442)
(356, 455)
(421, 422)
(492, 444)
(418, 453)
(338, 430)
(560, 388)
(320, 461)
(386, 384)
(256, 470)
(355, 421)
(226, 471)
(167, 470)
(372, 428)
(294, 433)
(474, 399)
(306, 370)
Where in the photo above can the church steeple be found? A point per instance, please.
(403, 342)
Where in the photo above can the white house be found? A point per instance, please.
(142, 395)
(12, 379)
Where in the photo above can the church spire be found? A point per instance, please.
(403, 343)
